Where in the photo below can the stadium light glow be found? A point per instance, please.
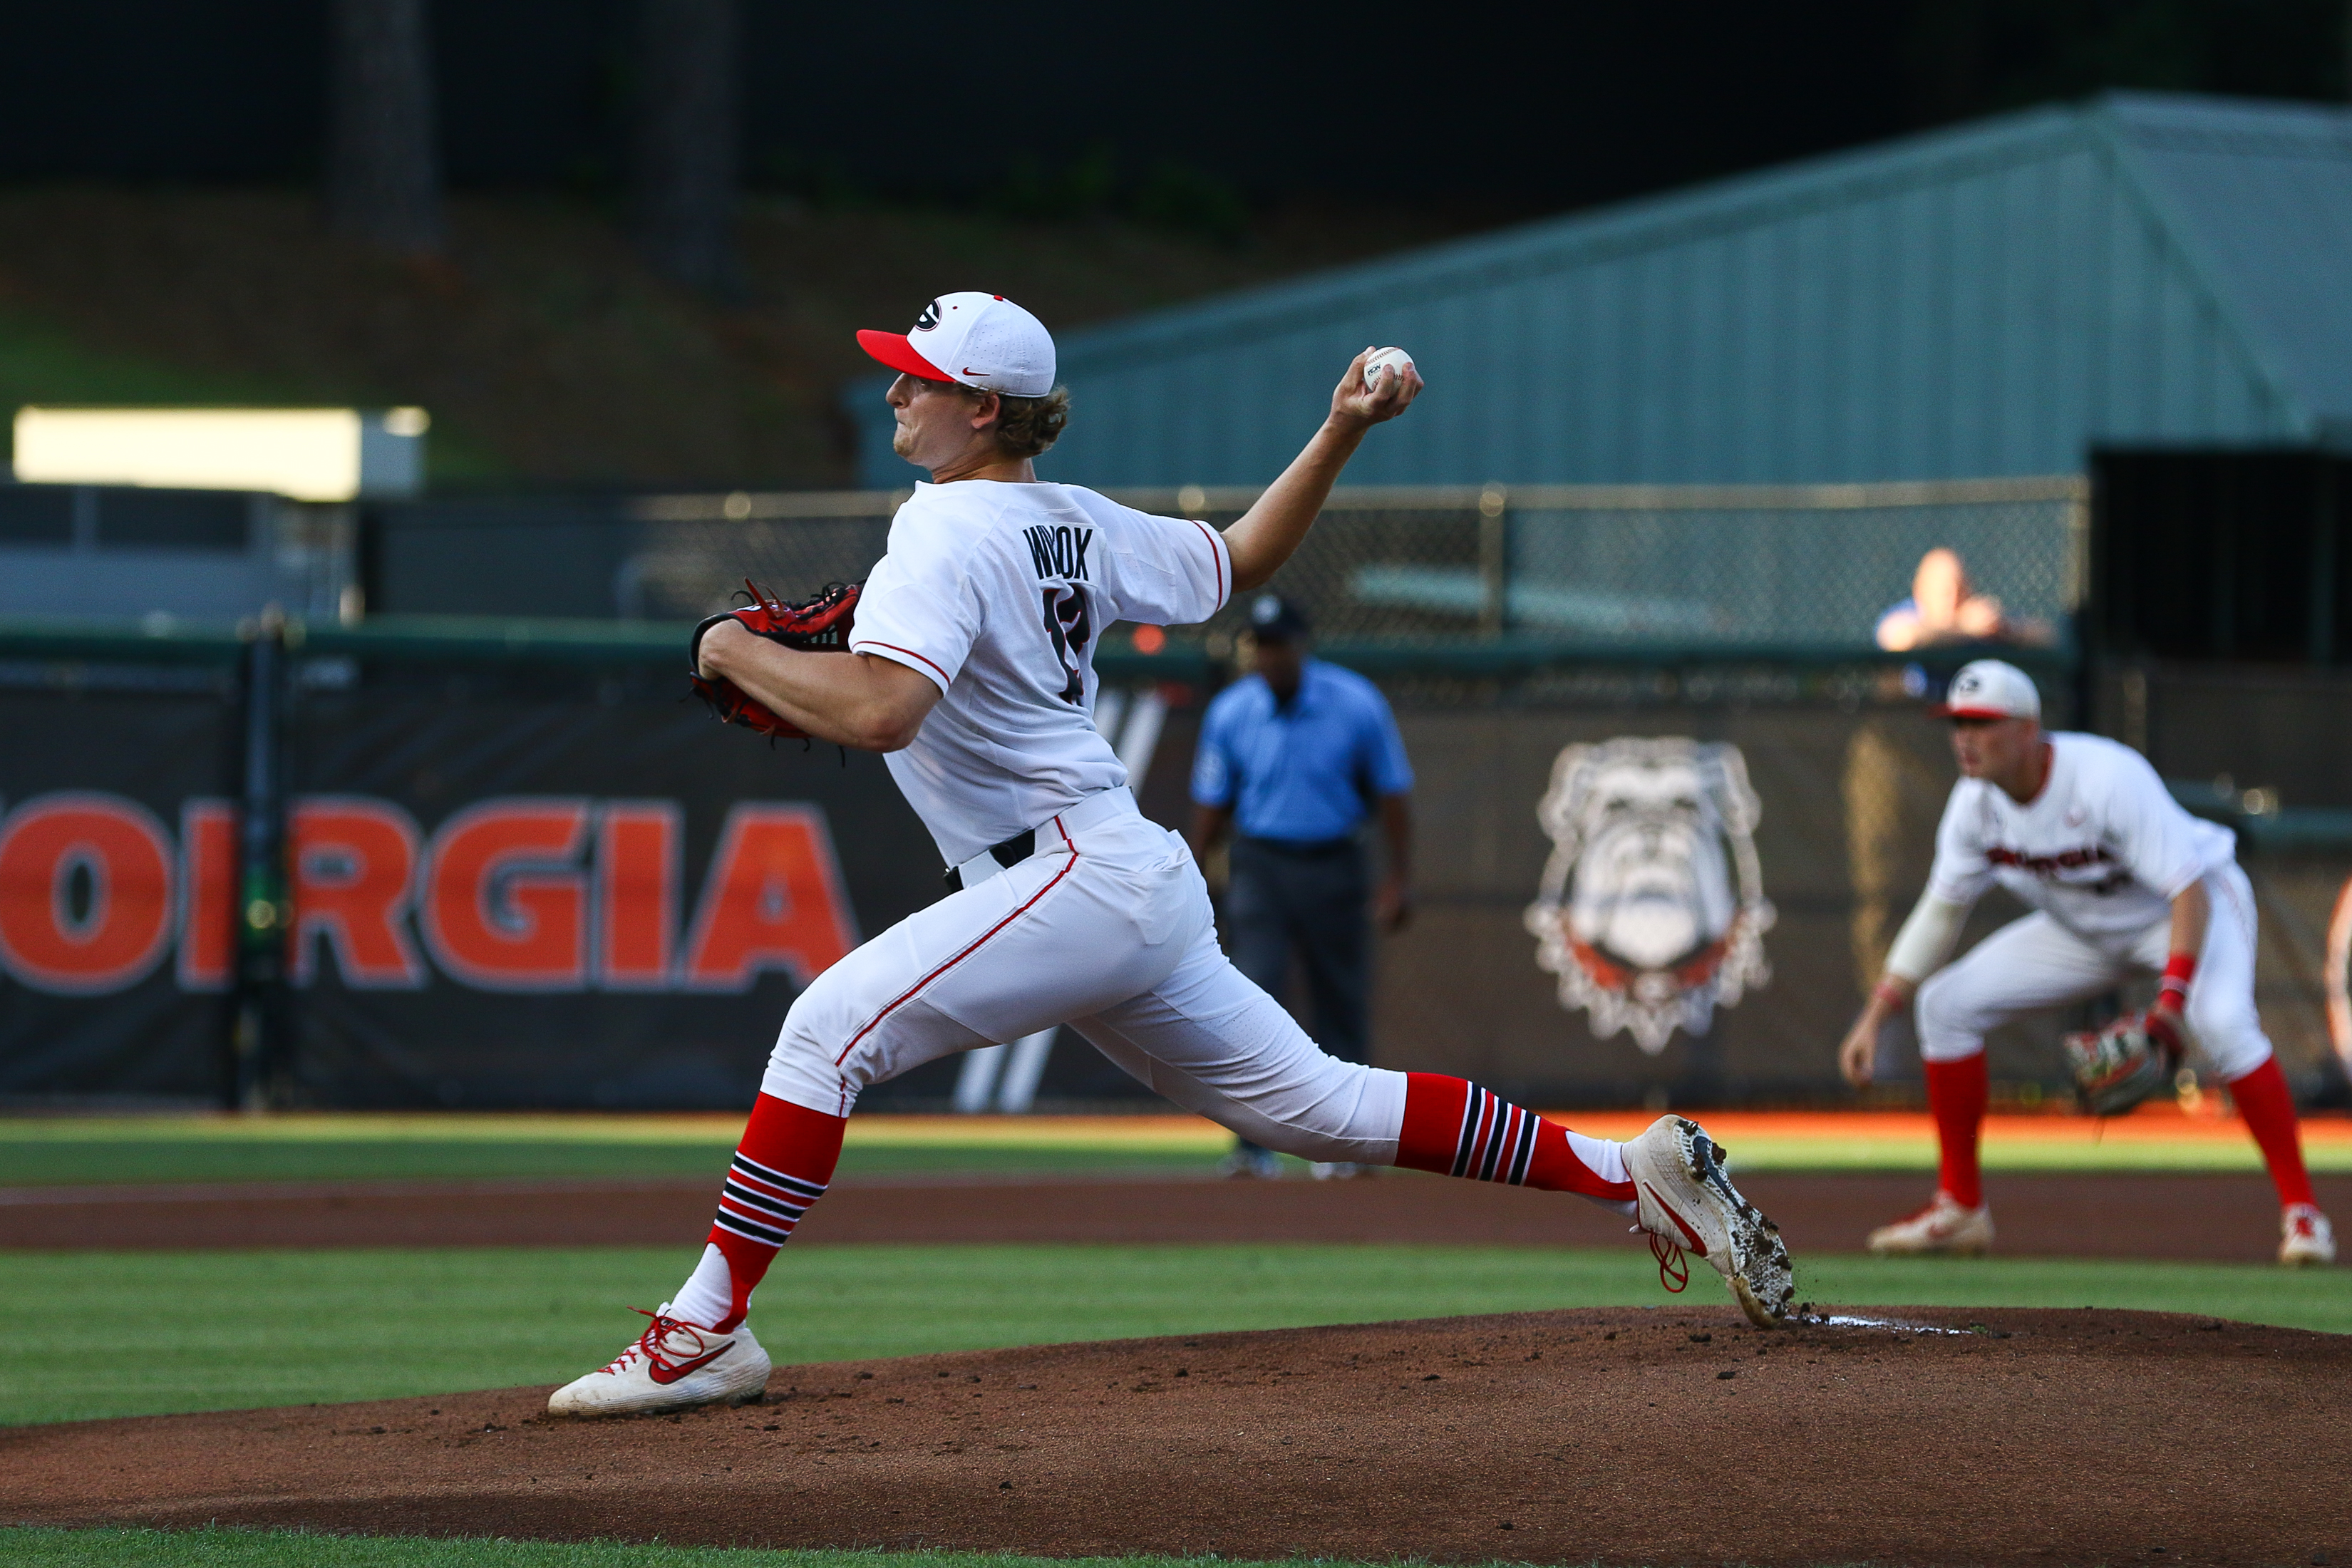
(306, 454)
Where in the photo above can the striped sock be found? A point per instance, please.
(1456, 1129)
(783, 1165)
(763, 1206)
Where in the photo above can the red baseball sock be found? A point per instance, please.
(781, 1166)
(2268, 1106)
(1957, 1092)
(1456, 1129)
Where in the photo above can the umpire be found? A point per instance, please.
(1295, 756)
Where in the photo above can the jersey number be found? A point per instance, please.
(1069, 621)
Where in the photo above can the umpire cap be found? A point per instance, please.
(1274, 619)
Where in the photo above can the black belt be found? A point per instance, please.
(1303, 848)
(1009, 854)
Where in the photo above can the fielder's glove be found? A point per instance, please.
(819, 624)
(2130, 1060)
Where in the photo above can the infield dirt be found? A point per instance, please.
(1617, 1436)
(2223, 1216)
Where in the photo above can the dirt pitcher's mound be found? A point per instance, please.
(1619, 1436)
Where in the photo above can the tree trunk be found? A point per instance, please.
(384, 175)
(684, 172)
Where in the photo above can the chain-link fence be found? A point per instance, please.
(1728, 566)
(698, 549)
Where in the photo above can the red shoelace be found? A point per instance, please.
(1674, 1269)
(649, 1343)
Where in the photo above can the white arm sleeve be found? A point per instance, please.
(1926, 939)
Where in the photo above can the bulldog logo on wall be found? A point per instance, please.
(1651, 910)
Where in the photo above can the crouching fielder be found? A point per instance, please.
(2123, 881)
(971, 665)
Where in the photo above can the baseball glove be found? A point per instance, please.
(2116, 1067)
(819, 624)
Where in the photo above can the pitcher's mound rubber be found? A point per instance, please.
(1679, 1435)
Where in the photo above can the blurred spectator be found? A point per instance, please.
(1943, 609)
(1295, 756)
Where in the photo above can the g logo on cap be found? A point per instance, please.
(979, 340)
(1988, 689)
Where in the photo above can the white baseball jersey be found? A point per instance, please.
(999, 592)
(2103, 850)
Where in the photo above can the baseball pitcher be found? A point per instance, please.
(969, 660)
(2123, 881)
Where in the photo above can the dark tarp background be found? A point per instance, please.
(1850, 789)
(432, 742)
(157, 738)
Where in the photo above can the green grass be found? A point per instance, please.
(316, 1146)
(99, 1158)
(23, 1547)
(201, 1331)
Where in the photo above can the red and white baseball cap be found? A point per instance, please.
(979, 340)
(1988, 689)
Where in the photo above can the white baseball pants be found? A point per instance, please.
(2035, 962)
(1108, 929)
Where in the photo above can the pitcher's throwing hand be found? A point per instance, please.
(1384, 394)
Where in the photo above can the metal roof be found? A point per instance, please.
(2259, 197)
(1986, 299)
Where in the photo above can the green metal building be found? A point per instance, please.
(1996, 299)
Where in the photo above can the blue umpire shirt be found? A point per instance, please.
(1305, 772)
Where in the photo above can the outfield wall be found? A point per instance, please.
(1848, 789)
(518, 870)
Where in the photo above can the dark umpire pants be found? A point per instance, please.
(1309, 898)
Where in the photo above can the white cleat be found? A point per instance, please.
(2306, 1238)
(1687, 1204)
(1946, 1225)
(674, 1365)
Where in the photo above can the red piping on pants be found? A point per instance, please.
(874, 1023)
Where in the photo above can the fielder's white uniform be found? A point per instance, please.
(2100, 853)
(998, 592)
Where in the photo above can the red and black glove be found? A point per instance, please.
(819, 624)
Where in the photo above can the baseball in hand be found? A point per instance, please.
(1393, 361)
